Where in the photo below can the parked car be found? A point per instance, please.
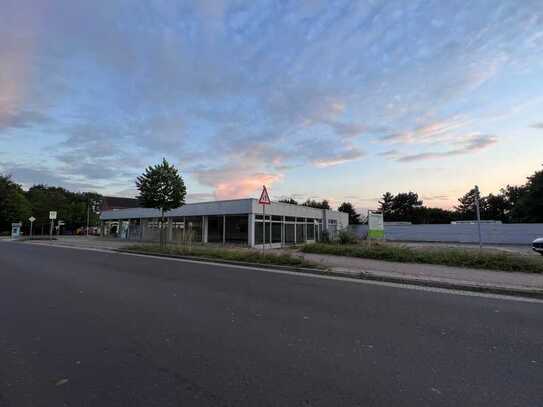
(537, 245)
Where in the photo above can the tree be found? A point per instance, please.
(354, 217)
(315, 204)
(403, 206)
(425, 215)
(529, 207)
(14, 206)
(291, 201)
(385, 204)
(496, 207)
(466, 205)
(512, 194)
(161, 187)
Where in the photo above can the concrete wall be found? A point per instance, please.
(516, 233)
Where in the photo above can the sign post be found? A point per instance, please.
(376, 226)
(264, 200)
(32, 219)
(478, 211)
(52, 216)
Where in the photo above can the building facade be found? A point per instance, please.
(238, 221)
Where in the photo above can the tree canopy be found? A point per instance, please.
(316, 204)
(14, 207)
(354, 217)
(161, 187)
(291, 201)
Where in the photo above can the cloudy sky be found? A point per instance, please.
(343, 100)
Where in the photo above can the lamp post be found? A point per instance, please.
(478, 212)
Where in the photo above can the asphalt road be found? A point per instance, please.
(84, 328)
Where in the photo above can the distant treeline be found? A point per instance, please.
(17, 205)
(512, 204)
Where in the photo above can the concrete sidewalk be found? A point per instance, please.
(416, 273)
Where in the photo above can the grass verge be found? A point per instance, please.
(228, 254)
(441, 256)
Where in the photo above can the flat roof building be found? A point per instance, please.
(238, 221)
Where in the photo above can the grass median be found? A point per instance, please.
(456, 257)
(244, 255)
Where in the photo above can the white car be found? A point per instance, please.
(537, 245)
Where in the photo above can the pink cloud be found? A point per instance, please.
(244, 186)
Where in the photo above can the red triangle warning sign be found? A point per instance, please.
(264, 197)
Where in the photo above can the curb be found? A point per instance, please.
(365, 275)
(478, 288)
(231, 262)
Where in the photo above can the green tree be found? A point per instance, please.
(316, 204)
(161, 187)
(466, 205)
(354, 217)
(385, 205)
(496, 207)
(14, 207)
(529, 207)
(512, 194)
(403, 205)
(291, 201)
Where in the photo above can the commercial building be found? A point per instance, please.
(238, 221)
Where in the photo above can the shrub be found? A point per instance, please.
(444, 256)
(347, 237)
(325, 236)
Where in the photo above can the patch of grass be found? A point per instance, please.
(230, 254)
(441, 256)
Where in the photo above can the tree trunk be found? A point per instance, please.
(162, 239)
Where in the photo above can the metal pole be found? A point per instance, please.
(31, 223)
(263, 227)
(88, 216)
(51, 230)
(478, 211)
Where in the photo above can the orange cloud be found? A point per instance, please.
(244, 186)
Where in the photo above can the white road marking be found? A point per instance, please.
(308, 275)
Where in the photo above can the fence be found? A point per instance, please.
(492, 233)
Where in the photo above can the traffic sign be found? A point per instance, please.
(264, 197)
(60, 223)
(53, 215)
(32, 219)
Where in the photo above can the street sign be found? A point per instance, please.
(264, 197)
(264, 200)
(60, 223)
(53, 215)
(32, 219)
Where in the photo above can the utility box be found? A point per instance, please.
(16, 230)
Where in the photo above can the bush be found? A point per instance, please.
(443, 256)
(347, 237)
(325, 236)
(229, 254)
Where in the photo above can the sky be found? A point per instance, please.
(337, 100)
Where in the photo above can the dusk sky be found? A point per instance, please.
(342, 100)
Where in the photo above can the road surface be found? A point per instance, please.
(90, 328)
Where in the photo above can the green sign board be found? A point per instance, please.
(376, 225)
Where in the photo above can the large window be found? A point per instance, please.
(289, 233)
(276, 232)
(310, 231)
(193, 228)
(214, 229)
(300, 232)
(259, 227)
(237, 229)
